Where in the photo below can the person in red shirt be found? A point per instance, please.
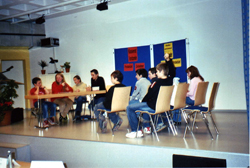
(64, 102)
(39, 89)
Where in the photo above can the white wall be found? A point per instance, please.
(214, 30)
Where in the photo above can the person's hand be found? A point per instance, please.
(63, 84)
(77, 90)
(166, 57)
(88, 88)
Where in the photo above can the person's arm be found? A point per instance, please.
(172, 69)
(102, 84)
(136, 90)
(66, 87)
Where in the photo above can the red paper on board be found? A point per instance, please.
(139, 66)
(128, 67)
(132, 54)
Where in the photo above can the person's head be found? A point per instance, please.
(192, 72)
(94, 74)
(140, 73)
(116, 76)
(152, 73)
(59, 78)
(77, 79)
(162, 70)
(37, 81)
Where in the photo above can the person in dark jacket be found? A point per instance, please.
(116, 79)
(149, 101)
(170, 64)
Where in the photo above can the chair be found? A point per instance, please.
(120, 101)
(180, 97)
(207, 110)
(162, 106)
(191, 112)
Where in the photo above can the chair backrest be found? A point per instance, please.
(180, 96)
(120, 99)
(213, 95)
(163, 99)
(200, 95)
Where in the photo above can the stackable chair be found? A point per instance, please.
(120, 101)
(162, 106)
(208, 110)
(189, 113)
(180, 97)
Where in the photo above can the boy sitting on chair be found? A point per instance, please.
(116, 79)
(149, 101)
(39, 89)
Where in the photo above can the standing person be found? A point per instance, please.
(152, 74)
(141, 86)
(97, 81)
(195, 77)
(39, 89)
(149, 101)
(79, 87)
(116, 79)
(64, 103)
(170, 64)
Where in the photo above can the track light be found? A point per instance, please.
(40, 20)
(102, 6)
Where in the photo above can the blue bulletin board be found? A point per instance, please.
(177, 50)
(128, 60)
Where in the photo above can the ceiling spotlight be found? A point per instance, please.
(40, 20)
(102, 6)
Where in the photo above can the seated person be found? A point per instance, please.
(149, 101)
(152, 74)
(79, 87)
(64, 103)
(96, 81)
(141, 86)
(116, 79)
(195, 77)
(39, 89)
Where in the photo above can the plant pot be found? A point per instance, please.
(43, 71)
(67, 69)
(6, 118)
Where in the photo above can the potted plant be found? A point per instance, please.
(7, 93)
(67, 66)
(43, 64)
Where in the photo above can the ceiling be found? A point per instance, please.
(16, 11)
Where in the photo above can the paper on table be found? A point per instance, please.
(47, 164)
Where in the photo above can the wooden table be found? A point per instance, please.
(64, 94)
(22, 164)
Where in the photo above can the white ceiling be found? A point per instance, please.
(16, 11)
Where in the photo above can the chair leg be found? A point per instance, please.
(154, 128)
(171, 124)
(207, 125)
(215, 127)
(186, 119)
(110, 125)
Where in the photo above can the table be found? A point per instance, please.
(64, 94)
(23, 164)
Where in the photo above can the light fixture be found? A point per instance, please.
(102, 6)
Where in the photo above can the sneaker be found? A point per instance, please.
(160, 127)
(45, 124)
(133, 134)
(51, 121)
(147, 130)
(104, 126)
(117, 125)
